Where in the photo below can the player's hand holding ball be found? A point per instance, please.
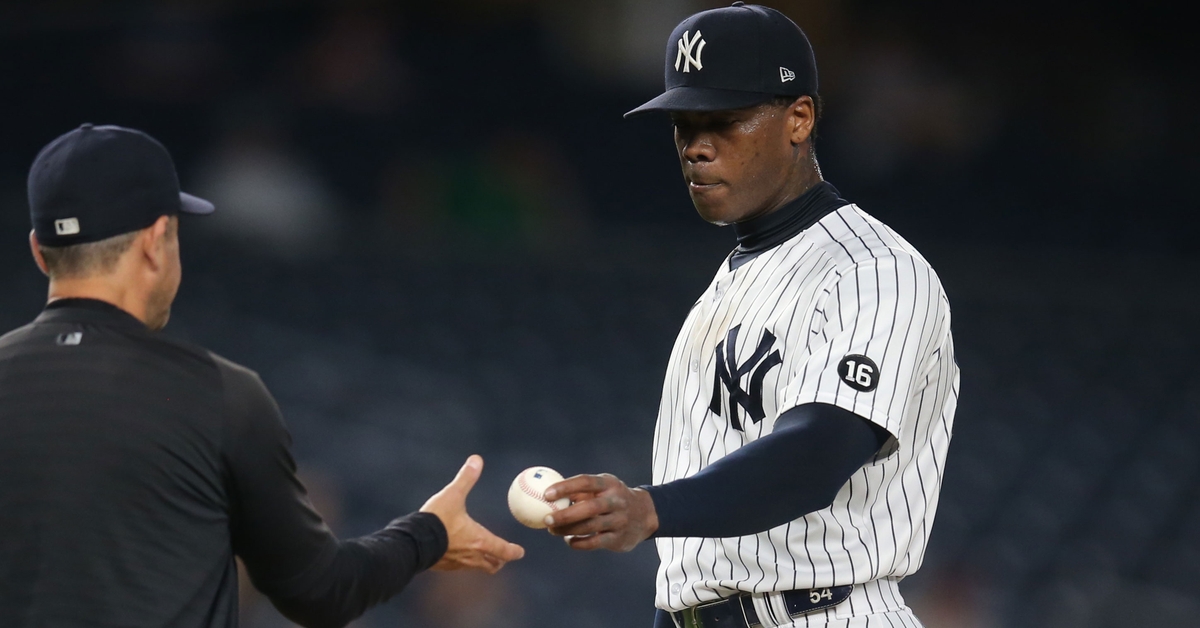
(527, 500)
(604, 513)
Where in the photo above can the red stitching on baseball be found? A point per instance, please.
(525, 488)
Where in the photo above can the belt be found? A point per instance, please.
(738, 611)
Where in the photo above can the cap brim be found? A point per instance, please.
(685, 98)
(189, 204)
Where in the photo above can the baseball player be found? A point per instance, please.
(810, 396)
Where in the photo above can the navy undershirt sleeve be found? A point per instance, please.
(797, 469)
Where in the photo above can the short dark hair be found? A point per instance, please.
(818, 105)
(784, 101)
(85, 260)
(818, 109)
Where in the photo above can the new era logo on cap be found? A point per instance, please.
(66, 226)
(786, 75)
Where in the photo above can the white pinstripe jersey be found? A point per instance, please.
(793, 326)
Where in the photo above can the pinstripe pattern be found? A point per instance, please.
(848, 285)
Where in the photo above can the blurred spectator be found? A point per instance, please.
(517, 189)
(172, 55)
(353, 65)
(621, 41)
(270, 198)
(899, 103)
(353, 91)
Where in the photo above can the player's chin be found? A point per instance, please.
(717, 213)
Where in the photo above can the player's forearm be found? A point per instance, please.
(365, 571)
(798, 469)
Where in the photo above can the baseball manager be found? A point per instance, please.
(133, 468)
(809, 398)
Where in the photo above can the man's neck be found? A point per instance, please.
(770, 230)
(100, 290)
(798, 188)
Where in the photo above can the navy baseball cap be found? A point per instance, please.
(734, 57)
(97, 182)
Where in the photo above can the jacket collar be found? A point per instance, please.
(80, 310)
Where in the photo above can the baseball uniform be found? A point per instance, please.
(845, 313)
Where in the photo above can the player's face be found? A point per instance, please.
(737, 163)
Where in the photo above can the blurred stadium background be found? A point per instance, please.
(437, 236)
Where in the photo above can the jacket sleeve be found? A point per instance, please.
(290, 553)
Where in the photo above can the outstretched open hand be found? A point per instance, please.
(471, 545)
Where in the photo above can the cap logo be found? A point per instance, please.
(785, 74)
(66, 226)
(684, 54)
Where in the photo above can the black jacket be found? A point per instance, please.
(134, 467)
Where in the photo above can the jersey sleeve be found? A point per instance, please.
(871, 341)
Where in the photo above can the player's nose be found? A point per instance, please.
(697, 148)
(694, 144)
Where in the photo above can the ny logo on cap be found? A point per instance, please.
(685, 52)
(66, 226)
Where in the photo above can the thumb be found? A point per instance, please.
(467, 476)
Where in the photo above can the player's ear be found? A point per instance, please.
(801, 119)
(36, 248)
(152, 242)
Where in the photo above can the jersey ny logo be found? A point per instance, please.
(685, 52)
(859, 372)
(730, 374)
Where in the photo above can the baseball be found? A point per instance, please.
(525, 496)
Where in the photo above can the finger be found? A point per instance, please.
(512, 552)
(604, 523)
(507, 552)
(485, 562)
(579, 511)
(576, 485)
(493, 545)
(467, 476)
(477, 562)
(592, 542)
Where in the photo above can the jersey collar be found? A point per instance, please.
(760, 234)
